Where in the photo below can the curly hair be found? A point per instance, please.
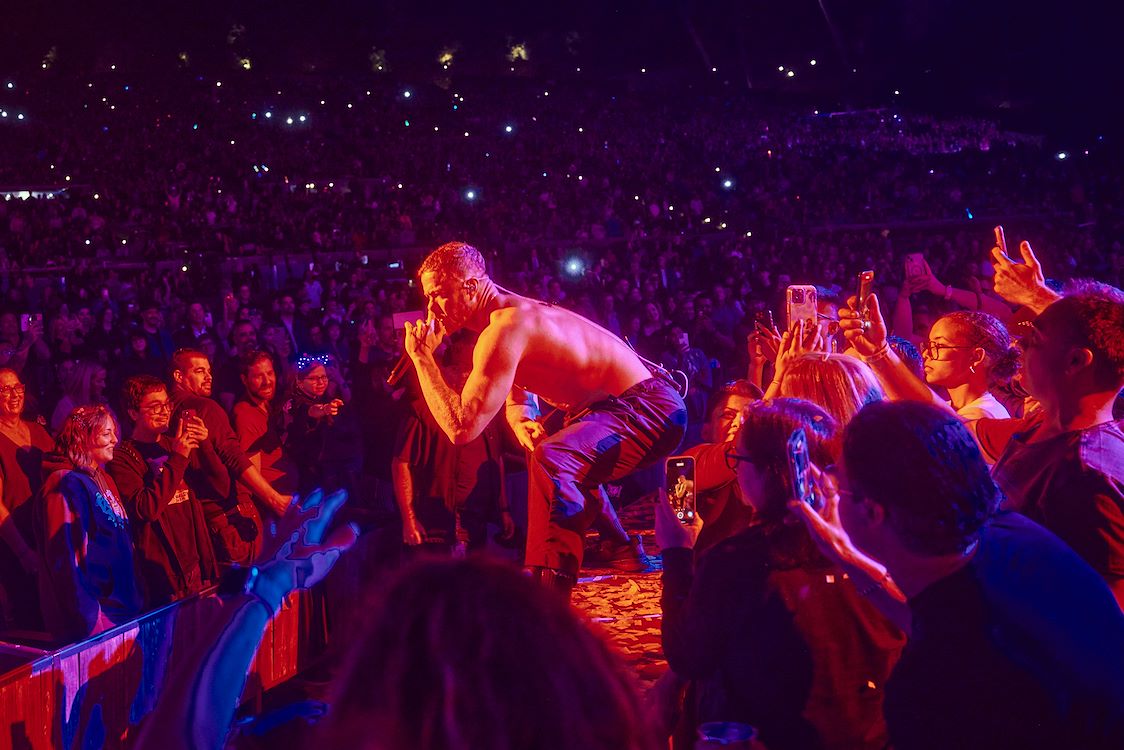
(1094, 314)
(921, 464)
(76, 436)
(455, 259)
(472, 654)
(988, 333)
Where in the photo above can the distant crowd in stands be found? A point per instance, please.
(153, 426)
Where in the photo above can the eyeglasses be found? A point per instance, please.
(13, 390)
(732, 460)
(932, 349)
(316, 378)
(164, 406)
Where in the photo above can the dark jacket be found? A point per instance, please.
(777, 638)
(175, 557)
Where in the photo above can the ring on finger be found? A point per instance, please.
(866, 326)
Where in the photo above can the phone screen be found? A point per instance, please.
(679, 484)
(863, 286)
(799, 466)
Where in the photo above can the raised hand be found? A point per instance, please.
(866, 336)
(297, 555)
(1020, 283)
(423, 337)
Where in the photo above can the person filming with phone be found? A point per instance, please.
(769, 628)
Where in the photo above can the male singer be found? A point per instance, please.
(620, 416)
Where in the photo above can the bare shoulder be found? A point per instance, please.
(512, 321)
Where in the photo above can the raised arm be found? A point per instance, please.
(463, 416)
(869, 340)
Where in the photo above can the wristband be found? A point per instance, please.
(878, 356)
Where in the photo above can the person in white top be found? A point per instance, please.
(968, 352)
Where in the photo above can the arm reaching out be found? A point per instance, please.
(197, 705)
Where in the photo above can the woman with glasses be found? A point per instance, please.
(175, 556)
(310, 412)
(772, 632)
(967, 354)
(87, 582)
(23, 444)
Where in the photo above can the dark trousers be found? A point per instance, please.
(607, 441)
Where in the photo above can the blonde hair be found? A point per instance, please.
(79, 383)
(839, 384)
(76, 436)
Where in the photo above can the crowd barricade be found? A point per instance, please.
(95, 693)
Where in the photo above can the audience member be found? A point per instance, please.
(1015, 641)
(174, 554)
(768, 626)
(87, 581)
(23, 444)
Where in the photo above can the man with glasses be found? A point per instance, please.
(235, 529)
(175, 557)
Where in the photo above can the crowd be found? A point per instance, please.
(962, 421)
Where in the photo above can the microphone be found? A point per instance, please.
(399, 370)
(403, 363)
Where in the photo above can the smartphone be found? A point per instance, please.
(679, 484)
(800, 468)
(25, 323)
(764, 318)
(914, 265)
(187, 415)
(864, 283)
(1001, 239)
(800, 299)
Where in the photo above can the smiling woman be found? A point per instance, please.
(87, 583)
(22, 446)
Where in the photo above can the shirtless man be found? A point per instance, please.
(619, 416)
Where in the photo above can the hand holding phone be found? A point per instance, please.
(864, 285)
(915, 265)
(800, 468)
(679, 487)
(800, 301)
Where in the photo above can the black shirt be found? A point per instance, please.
(1021, 648)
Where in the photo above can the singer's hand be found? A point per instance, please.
(423, 337)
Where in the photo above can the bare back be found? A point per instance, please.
(559, 355)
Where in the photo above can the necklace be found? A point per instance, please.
(20, 433)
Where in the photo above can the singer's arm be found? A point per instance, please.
(463, 416)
